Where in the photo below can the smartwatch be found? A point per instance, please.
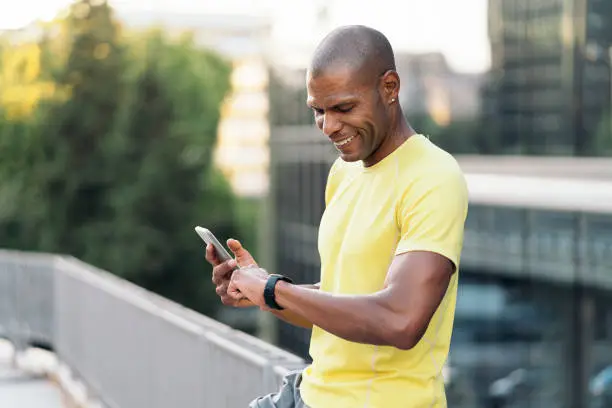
(268, 294)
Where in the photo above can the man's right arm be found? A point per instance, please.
(221, 277)
(292, 318)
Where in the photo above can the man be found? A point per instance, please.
(389, 241)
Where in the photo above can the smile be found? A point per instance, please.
(344, 141)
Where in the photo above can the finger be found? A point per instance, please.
(211, 254)
(234, 244)
(228, 300)
(221, 289)
(235, 295)
(244, 302)
(234, 292)
(223, 271)
(221, 275)
(243, 256)
(239, 251)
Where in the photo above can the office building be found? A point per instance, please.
(549, 89)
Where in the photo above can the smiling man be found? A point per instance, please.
(389, 241)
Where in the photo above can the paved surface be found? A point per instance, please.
(21, 390)
(23, 387)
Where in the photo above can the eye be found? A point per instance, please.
(344, 108)
(317, 111)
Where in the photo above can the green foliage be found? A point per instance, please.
(458, 137)
(603, 136)
(115, 166)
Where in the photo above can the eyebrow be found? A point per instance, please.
(348, 101)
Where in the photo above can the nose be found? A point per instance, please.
(330, 124)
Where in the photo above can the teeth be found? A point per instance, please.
(345, 141)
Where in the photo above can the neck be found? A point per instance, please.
(398, 133)
(402, 129)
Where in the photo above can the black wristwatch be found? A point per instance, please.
(269, 297)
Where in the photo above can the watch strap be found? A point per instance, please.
(269, 296)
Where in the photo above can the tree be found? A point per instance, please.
(114, 165)
(171, 117)
(24, 85)
(75, 175)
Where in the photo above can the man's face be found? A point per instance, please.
(350, 112)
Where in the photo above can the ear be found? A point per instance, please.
(390, 86)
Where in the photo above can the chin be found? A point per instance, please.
(351, 157)
(354, 153)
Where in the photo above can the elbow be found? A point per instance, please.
(404, 341)
(406, 336)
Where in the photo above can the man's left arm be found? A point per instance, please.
(417, 280)
(396, 316)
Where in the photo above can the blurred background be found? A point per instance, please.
(123, 124)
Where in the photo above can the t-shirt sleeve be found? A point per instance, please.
(432, 216)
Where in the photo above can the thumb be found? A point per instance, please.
(235, 245)
(233, 291)
(243, 256)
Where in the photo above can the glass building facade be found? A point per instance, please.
(549, 88)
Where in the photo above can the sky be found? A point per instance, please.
(456, 28)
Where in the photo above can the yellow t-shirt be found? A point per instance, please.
(414, 199)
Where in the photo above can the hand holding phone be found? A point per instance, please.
(221, 274)
(209, 238)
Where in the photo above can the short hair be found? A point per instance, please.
(361, 49)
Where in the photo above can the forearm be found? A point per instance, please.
(362, 319)
(292, 317)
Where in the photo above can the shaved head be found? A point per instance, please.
(359, 49)
(353, 90)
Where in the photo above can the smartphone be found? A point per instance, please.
(210, 238)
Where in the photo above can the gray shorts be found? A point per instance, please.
(288, 396)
